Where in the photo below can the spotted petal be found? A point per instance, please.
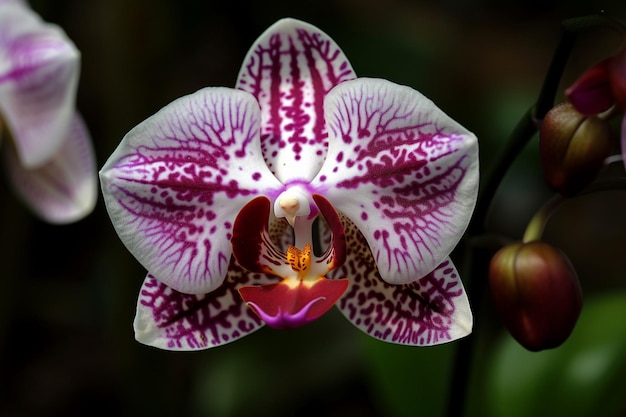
(170, 320)
(402, 171)
(176, 182)
(64, 189)
(289, 69)
(39, 70)
(431, 310)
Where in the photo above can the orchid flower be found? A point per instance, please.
(50, 160)
(303, 188)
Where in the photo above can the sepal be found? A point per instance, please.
(65, 188)
(431, 310)
(39, 71)
(170, 320)
(289, 69)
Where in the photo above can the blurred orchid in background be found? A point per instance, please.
(50, 158)
(302, 188)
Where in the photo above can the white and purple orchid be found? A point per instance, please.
(50, 160)
(303, 188)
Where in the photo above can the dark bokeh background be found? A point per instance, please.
(67, 294)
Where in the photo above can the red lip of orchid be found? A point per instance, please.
(303, 188)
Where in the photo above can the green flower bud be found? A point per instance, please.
(536, 293)
(573, 148)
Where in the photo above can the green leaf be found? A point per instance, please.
(407, 380)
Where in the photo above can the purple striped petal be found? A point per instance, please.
(431, 310)
(176, 182)
(168, 319)
(39, 70)
(290, 69)
(64, 189)
(402, 171)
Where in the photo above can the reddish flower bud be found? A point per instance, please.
(573, 148)
(591, 93)
(536, 293)
(616, 70)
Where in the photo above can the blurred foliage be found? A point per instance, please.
(67, 294)
(584, 377)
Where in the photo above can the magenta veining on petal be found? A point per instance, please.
(290, 72)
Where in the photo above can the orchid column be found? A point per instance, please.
(303, 188)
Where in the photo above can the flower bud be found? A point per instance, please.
(572, 147)
(536, 293)
(617, 77)
(591, 93)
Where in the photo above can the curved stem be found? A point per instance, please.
(536, 225)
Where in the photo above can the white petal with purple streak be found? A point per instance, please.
(290, 69)
(403, 171)
(39, 70)
(176, 182)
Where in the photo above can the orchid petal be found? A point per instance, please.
(176, 182)
(64, 189)
(39, 70)
(168, 319)
(289, 69)
(431, 310)
(402, 171)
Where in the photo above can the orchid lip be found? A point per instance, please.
(285, 320)
(293, 303)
